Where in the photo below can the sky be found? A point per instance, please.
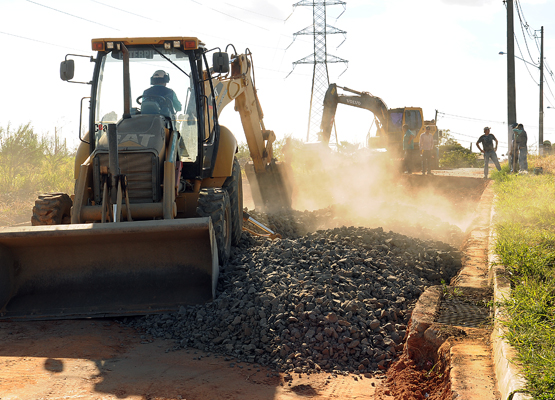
(435, 54)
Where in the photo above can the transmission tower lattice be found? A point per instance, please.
(320, 58)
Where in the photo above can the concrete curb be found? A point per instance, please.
(422, 334)
(422, 318)
(510, 382)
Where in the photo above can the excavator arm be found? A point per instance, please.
(362, 100)
(239, 87)
(269, 180)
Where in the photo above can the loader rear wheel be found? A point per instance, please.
(214, 203)
(52, 209)
(233, 185)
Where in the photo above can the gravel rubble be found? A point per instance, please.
(337, 300)
(391, 216)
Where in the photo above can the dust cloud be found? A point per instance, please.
(367, 188)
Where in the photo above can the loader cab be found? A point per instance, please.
(400, 116)
(184, 102)
(397, 117)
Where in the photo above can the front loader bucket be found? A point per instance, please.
(110, 269)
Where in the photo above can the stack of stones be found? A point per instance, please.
(400, 218)
(333, 300)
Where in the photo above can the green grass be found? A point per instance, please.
(525, 227)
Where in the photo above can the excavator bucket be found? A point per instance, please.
(271, 189)
(110, 269)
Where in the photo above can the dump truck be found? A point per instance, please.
(158, 191)
(389, 134)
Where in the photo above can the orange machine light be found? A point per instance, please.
(98, 46)
(190, 44)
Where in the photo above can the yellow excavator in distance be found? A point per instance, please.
(389, 134)
(158, 195)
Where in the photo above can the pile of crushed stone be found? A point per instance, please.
(335, 300)
(403, 219)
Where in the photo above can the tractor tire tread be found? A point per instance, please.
(213, 203)
(52, 209)
(234, 187)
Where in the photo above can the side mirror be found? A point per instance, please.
(220, 63)
(67, 70)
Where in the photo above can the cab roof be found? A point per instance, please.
(188, 42)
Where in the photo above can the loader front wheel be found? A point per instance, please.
(52, 209)
(214, 203)
(234, 188)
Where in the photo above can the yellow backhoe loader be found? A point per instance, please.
(158, 192)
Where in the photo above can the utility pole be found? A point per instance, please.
(437, 129)
(541, 98)
(511, 91)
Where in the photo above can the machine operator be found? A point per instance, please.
(158, 81)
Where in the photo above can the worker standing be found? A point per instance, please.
(426, 146)
(408, 147)
(489, 150)
(521, 139)
(513, 152)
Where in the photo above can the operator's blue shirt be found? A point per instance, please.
(158, 90)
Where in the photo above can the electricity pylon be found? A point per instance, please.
(320, 58)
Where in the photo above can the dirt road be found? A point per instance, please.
(100, 359)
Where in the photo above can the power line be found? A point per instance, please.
(461, 134)
(472, 137)
(230, 16)
(160, 22)
(548, 68)
(254, 12)
(81, 50)
(71, 15)
(470, 118)
(549, 88)
(283, 72)
(245, 22)
(523, 26)
(125, 11)
(40, 41)
(525, 63)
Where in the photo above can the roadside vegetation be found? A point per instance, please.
(525, 227)
(453, 155)
(30, 164)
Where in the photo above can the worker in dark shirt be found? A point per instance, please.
(408, 147)
(521, 139)
(489, 150)
(158, 81)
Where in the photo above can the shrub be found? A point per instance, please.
(30, 162)
(453, 155)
